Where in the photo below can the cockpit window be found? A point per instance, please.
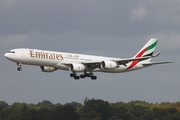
(11, 51)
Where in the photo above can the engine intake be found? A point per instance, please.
(76, 67)
(47, 69)
(108, 65)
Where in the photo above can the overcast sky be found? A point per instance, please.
(117, 28)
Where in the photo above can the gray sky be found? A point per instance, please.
(117, 28)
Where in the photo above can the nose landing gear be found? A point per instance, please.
(19, 68)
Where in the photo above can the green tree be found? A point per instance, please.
(98, 106)
(46, 103)
(74, 104)
(65, 112)
(123, 111)
(42, 113)
(115, 118)
(17, 111)
(1, 113)
(139, 110)
(172, 117)
(162, 114)
(3, 105)
(89, 115)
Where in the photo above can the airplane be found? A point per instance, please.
(50, 61)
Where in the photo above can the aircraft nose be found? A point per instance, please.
(5, 55)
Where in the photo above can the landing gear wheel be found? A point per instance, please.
(19, 68)
(82, 76)
(72, 75)
(76, 77)
(93, 77)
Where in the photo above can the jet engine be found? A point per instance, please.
(47, 69)
(76, 67)
(108, 65)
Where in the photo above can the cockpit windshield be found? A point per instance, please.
(11, 51)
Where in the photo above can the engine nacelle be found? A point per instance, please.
(108, 65)
(76, 67)
(47, 69)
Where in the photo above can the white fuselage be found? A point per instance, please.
(59, 60)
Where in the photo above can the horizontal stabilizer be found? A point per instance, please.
(157, 54)
(154, 63)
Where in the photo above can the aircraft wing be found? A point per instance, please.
(119, 61)
(154, 63)
(96, 64)
(127, 60)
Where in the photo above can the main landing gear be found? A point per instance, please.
(19, 68)
(83, 76)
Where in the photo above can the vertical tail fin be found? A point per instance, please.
(148, 49)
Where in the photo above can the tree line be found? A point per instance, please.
(91, 109)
